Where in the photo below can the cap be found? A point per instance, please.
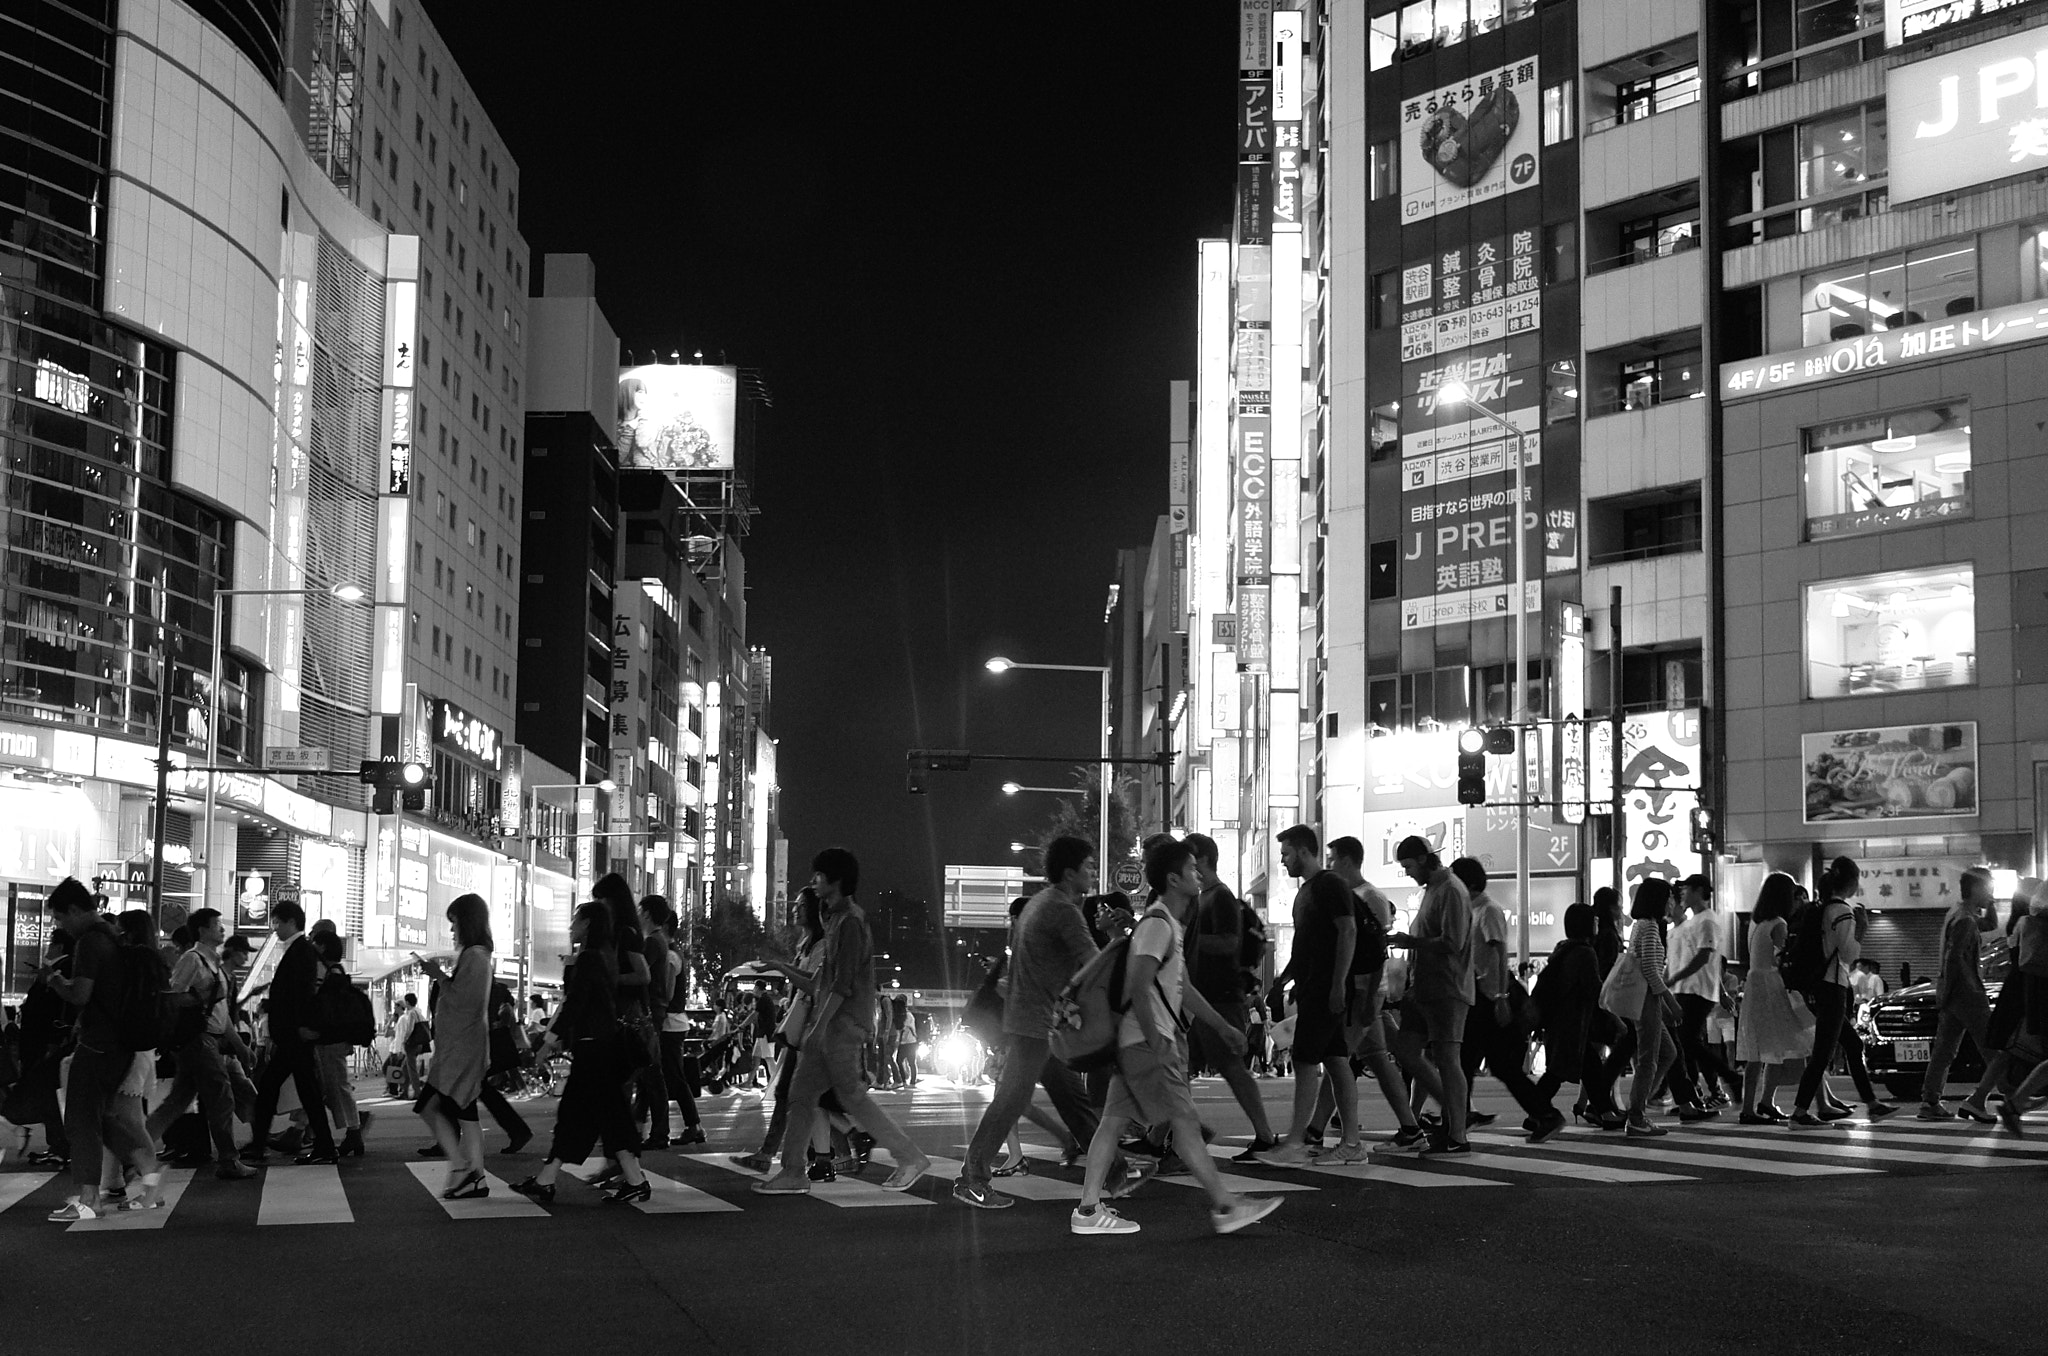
(237, 942)
(1414, 847)
(1696, 881)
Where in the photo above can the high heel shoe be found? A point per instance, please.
(532, 1189)
(627, 1195)
(469, 1188)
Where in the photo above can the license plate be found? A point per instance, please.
(1911, 1052)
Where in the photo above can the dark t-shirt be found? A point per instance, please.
(1218, 978)
(97, 956)
(765, 1011)
(1320, 903)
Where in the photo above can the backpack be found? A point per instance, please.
(342, 1012)
(421, 1038)
(679, 989)
(1805, 959)
(189, 1024)
(1089, 1010)
(143, 1016)
(1251, 938)
(1369, 955)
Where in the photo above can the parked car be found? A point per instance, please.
(1898, 1031)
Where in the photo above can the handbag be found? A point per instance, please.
(1625, 989)
(796, 1020)
(984, 1015)
(629, 1046)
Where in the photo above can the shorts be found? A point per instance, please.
(1439, 1020)
(1209, 1050)
(1319, 1036)
(1147, 1091)
(1364, 1031)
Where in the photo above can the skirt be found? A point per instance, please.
(1775, 1026)
(2008, 1014)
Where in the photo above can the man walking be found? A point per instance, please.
(198, 981)
(1369, 1041)
(1325, 935)
(1694, 957)
(1150, 1085)
(1496, 1033)
(294, 1032)
(412, 1037)
(829, 1058)
(1959, 988)
(1216, 958)
(1049, 942)
(1440, 988)
(659, 920)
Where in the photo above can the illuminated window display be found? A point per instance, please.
(1887, 471)
(1891, 632)
(1889, 292)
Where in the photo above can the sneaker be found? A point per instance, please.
(1971, 1112)
(1136, 1172)
(72, 1211)
(782, 1186)
(1879, 1110)
(693, 1135)
(1101, 1220)
(980, 1197)
(1933, 1111)
(820, 1169)
(1547, 1129)
(1287, 1155)
(752, 1162)
(1020, 1168)
(1693, 1115)
(1449, 1148)
(847, 1165)
(1644, 1128)
(1257, 1147)
(1406, 1140)
(1248, 1210)
(1342, 1156)
(1475, 1119)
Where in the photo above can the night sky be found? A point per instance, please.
(959, 243)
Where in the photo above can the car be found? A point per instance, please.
(1898, 1031)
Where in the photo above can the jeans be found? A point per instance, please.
(1706, 1066)
(778, 1117)
(1655, 1051)
(292, 1060)
(201, 1076)
(677, 1079)
(1957, 1020)
(339, 1087)
(95, 1118)
(1831, 1029)
(1027, 1062)
(830, 1062)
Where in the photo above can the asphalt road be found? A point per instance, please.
(1906, 1237)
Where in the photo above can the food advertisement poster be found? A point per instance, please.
(1897, 772)
(1469, 142)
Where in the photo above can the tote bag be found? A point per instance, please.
(1625, 988)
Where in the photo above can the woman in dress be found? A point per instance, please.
(1655, 1050)
(594, 1105)
(1774, 1030)
(462, 1048)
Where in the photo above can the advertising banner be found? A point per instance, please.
(1893, 772)
(678, 417)
(1466, 295)
(1905, 20)
(1254, 120)
(1254, 497)
(2023, 323)
(1968, 117)
(1663, 764)
(1457, 552)
(1469, 142)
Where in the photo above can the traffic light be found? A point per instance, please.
(1472, 767)
(922, 761)
(918, 769)
(396, 784)
(1702, 831)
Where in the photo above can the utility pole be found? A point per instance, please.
(1617, 838)
(163, 742)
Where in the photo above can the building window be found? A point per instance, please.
(1659, 236)
(1843, 152)
(1661, 678)
(1385, 170)
(1430, 24)
(1899, 632)
(1384, 430)
(1386, 299)
(1635, 100)
(1651, 372)
(1383, 562)
(1560, 252)
(1643, 526)
(1382, 40)
(1888, 292)
(1880, 472)
(1560, 112)
(1561, 390)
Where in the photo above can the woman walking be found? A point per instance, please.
(594, 1105)
(1774, 1030)
(803, 983)
(1596, 1100)
(1655, 1050)
(1565, 1001)
(1841, 931)
(462, 1047)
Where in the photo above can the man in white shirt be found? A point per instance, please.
(199, 981)
(1693, 956)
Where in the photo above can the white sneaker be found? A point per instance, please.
(1104, 1221)
(1248, 1210)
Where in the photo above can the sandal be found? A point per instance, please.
(468, 1189)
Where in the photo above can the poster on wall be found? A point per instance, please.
(1469, 142)
(678, 417)
(1893, 772)
(1475, 293)
(1662, 766)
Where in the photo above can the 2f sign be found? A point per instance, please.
(1974, 116)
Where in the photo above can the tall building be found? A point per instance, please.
(1671, 356)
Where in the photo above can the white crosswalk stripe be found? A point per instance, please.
(847, 1193)
(502, 1203)
(1663, 1151)
(16, 1187)
(309, 1195)
(1875, 1149)
(1231, 1181)
(134, 1221)
(670, 1196)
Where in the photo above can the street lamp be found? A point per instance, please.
(347, 593)
(1000, 665)
(1458, 393)
(1012, 788)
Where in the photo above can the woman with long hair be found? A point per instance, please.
(462, 1050)
(1655, 1050)
(808, 916)
(1841, 931)
(594, 1105)
(1774, 1030)
(1596, 1095)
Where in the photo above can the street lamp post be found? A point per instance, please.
(1012, 788)
(347, 593)
(1457, 393)
(1001, 665)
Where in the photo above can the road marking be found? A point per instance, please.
(670, 1196)
(15, 1186)
(847, 1193)
(309, 1195)
(128, 1221)
(1805, 1143)
(1408, 1177)
(1526, 1161)
(1931, 1134)
(502, 1203)
(1656, 1152)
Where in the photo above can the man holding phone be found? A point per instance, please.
(293, 1036)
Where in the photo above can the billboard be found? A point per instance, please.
(1470, 294)
(1905, 20)
(1968, 117)
(675, 417)
(1469, 142)
(1892, 772)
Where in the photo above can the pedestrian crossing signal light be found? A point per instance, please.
(1472, 767)
(1703, 831)
(396, 783)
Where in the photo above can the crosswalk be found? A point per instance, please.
(711, 1184)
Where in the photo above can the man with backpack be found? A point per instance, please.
(1496, 1029)
(294, 1033)
(1049, 944)
(344, 1020)
(1224, 942)
(199, 992)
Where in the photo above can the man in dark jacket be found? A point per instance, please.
(294, 1035)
